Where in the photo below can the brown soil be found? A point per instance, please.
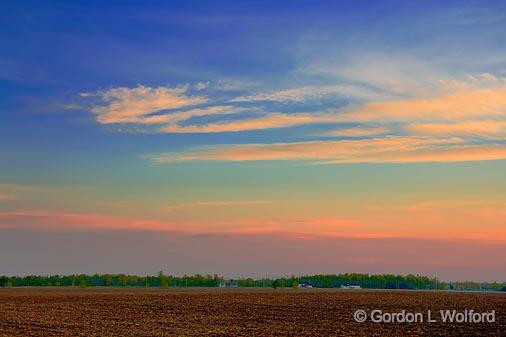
(235, 312)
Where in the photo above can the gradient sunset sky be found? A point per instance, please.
(253, 138)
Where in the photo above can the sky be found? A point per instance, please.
(253, 138)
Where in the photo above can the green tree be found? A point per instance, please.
(164, 283)
(282, 283)
(294, 282)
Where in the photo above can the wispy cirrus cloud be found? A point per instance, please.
(365, 150)
(144, 105)
(179, 116)
(51, 220)
(466, 105)
(72, 221)
(436, 127)
(268, 121)
(313, 92)
(357, 132)
(479, 128)
(375, 150)
(131, 105)
(456, 106)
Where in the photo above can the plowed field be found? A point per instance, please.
(235, 312)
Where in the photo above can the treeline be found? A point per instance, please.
(390, 281)
(110, 280)
(385, 281)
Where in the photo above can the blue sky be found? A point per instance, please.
(364, 119)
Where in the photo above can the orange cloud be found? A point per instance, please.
(187, 114)
(428, 224)
(374, 150)
(455, 154)
(58, 220)
(139, 105)
(125, 105)
(270, 121)
(473, 103)
(444, 218)
(30, 219)
(482, 128)
(357, 132)
(457, 106)
(389, 149)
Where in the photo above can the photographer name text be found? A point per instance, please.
(444, 316)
